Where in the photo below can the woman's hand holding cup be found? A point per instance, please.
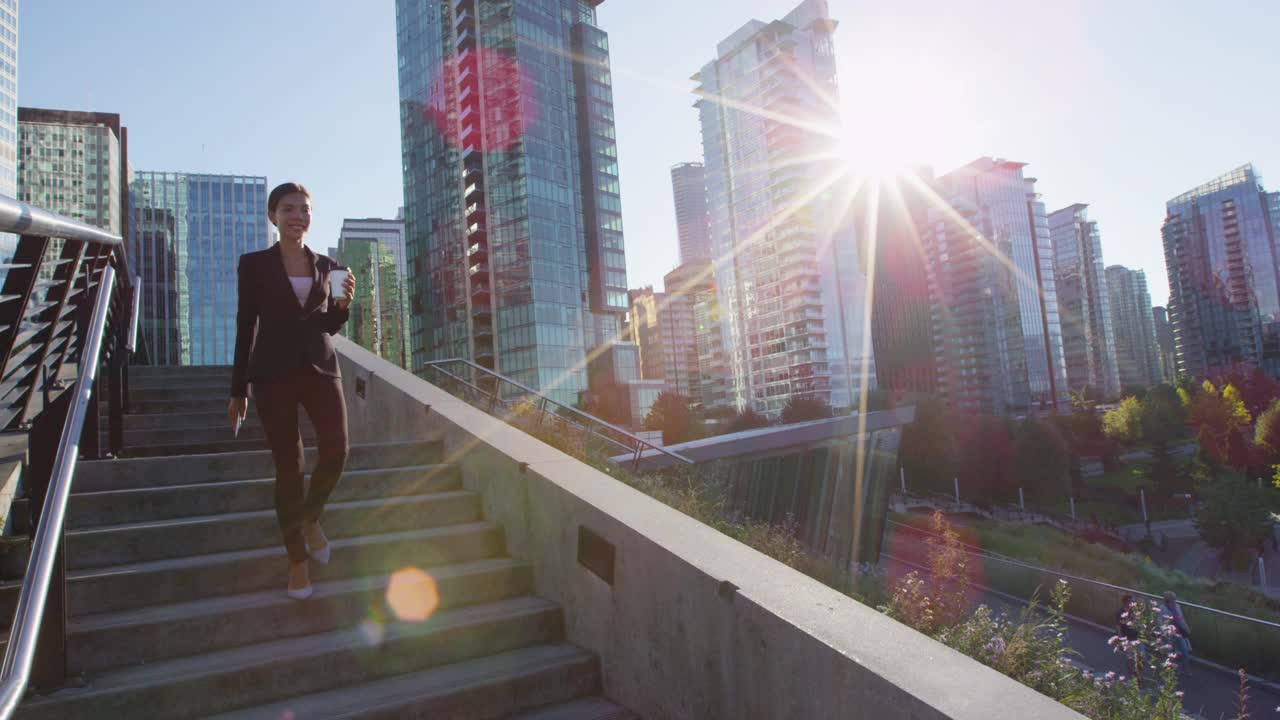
(342, 278)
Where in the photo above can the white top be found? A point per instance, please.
(301, 288)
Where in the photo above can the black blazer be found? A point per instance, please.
(274, 335)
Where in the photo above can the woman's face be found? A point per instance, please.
(292, 216)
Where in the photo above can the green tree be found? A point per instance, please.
(748, 419)
(803, 409)
(1257, 389)
(927, 450)
(986, 459)
(670, 414)
(1267, 433)
(1124, 424)
(1233, 519)
(1218, 419)
(1163, 415)
(1163, 473)
(1042, 459)
(1163, 422)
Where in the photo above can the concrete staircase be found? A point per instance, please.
(177, 577)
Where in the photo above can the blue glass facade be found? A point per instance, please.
(512, 206)
(1137, 345)
(1088, 336)
(991, 282)
(1224, 284)
(187, 233)
(8, 115)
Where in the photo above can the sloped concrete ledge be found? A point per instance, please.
(695, 625)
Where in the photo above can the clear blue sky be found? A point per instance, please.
(1121, 104)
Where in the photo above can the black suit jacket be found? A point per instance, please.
(275, 335)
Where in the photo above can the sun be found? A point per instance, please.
(899, 114)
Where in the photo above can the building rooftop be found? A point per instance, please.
(1239, 176)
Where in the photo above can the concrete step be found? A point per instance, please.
(149, 372)
(199, 448)
(589, 708)
(140, 422)
(215, 498)
(220, 430)
(226, 680)
(483, 689)
(98, 475)
(160, 539)
(187, 579)
(176, 391)
(176, 405)
(155, 634)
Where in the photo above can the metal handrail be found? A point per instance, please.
(590, 420)
(21, 218)
(21, 651)
(131, 342)
(482, 391)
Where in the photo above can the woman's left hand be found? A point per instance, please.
(349, 287)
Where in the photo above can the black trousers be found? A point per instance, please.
(277, 402)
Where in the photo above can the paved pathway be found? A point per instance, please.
(1201, 560)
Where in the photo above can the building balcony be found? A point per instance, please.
(465, 20)
(466, 39)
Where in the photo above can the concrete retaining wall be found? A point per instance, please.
(688, 623)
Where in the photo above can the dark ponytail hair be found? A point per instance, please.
(273, 200)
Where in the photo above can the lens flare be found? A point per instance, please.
(372, 632)
(412, 595)
(508, 91)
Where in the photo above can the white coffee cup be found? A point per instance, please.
(338, 278)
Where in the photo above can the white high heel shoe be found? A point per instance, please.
(302, 593)
(322, 555)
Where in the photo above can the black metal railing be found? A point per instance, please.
(61, 307)
(508, 399)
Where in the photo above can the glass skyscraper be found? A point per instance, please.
(1224, 284)
(74, 164)
(377, 323)
(1137, 350)
(901, 316)
(1084, 302)
(186, 237)
(990, 267)
(512, 206)
(1164, 340)
(8, 115)
(70, 163)
(693, 226)
(374, 250)
(790, 278)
